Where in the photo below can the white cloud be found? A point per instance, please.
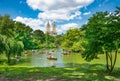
(69, 26)
(33, 23)
(57, 15)
(86, 13)
(36, 24)
(62, 28)
(54, 10)
(47, 5)
(58, 9)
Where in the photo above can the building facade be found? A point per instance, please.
(52, 32)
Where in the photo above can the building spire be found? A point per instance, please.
(48, 28)
(54, 28)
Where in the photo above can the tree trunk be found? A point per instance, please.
(114, 61)
(110, 58)
(107, 64)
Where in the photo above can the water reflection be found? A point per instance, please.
(39, 59)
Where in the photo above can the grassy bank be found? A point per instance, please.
(86, 72)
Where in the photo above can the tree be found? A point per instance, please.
(3, 44)
(103, 37)
(73, 40)
(39, 35)
(58, 40)
(24, 33)
(49, 41)
(8, 44)
(6, 26)
(13, 48)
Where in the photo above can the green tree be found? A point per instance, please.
(13, 48)
(50, 41)
(6, 26)
(24, 33)
(39, 35)
(3, 44)
(8, 44)
(103, 37)
(72, 40)
(58, 40)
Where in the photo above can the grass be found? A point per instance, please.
(86, 72)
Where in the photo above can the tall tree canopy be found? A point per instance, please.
(73, 40)
(15, 37)
(103, 37)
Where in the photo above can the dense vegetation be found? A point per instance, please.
(16, 37)
(73, 40)
(101, 35)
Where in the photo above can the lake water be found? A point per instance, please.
(71, 60)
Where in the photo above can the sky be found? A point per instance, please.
(66, 14)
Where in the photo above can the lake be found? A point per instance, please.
(38, 59)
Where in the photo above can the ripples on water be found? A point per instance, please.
(39, 59)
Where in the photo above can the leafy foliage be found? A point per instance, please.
(73, 40)
(103, 36)
(15, 37)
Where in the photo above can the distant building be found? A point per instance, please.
(48, 27)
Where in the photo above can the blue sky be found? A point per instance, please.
(66, 13)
